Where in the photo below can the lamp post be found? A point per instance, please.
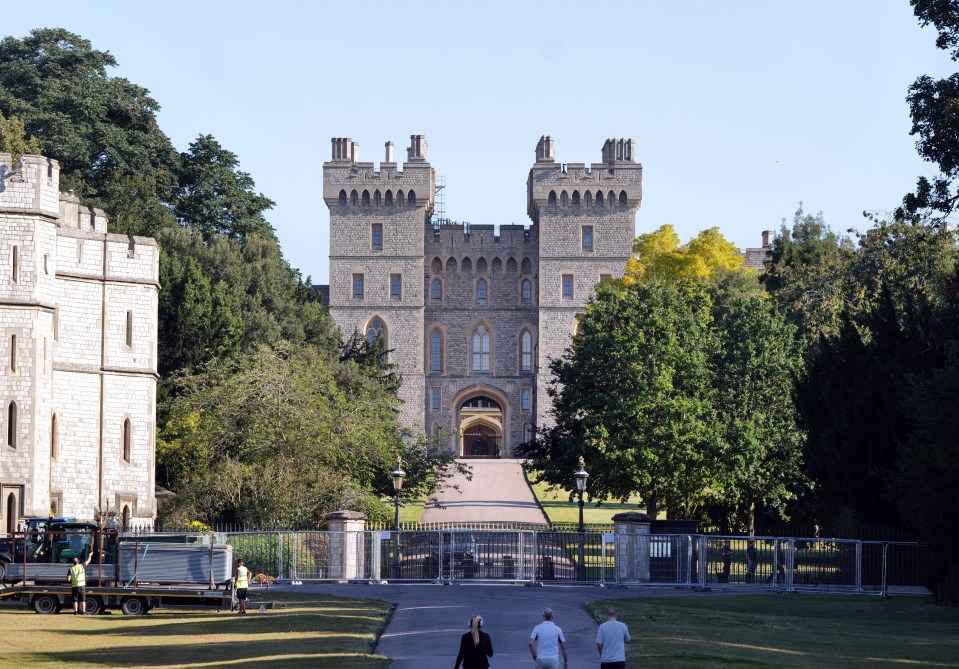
(398, 475)
(581, 475)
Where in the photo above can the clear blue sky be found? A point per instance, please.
(739, 109)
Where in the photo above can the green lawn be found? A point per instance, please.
(560, 510)
(765, 631)
(307, 631)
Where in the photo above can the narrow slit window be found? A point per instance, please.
(12, 425)
(127, 440)
(129, 330)
(15, 264)
(54, 438)
(436, 351)
(13, 353)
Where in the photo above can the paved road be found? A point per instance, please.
(497, 491)
(429, 620)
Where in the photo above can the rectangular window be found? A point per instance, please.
(435, 398)
(396, 286)
(527, 399)
(605, 277)
(129, 336)
(377, 236)
(358, 286)
(567, 286)
(587, 238)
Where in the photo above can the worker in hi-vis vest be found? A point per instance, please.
(242, 583)
(77, 575)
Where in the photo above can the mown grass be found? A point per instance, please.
(306, 631)
(796, 631)
(560, 509)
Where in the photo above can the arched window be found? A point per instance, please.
(54, 438)
(563, 199)
(551, 201)
(481, 346)
(599, 198)
(622, 198)
(376, 331)
(342, 198)
(13, 509)
(411, 199)
(526, 351)
(611, 199)
(481, 290)
(126, 518)
(376, 198)
(436, 289)
(436, 351)
(12, 425)
(127, 440)
(400, 199)
(366, 198)
(389, 198)
(354, 198)
(575, 198)
(588, 198)
(526, 291)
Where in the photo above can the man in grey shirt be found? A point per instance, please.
(611, 639)
(545, 643)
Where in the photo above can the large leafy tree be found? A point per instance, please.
(285, 435)
(658, 255)
(634, 396)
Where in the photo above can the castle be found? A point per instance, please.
(473, 313)
(78, 353)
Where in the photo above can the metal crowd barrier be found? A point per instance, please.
(788, 564)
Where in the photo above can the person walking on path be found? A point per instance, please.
(546, 642)
(242, 583)
(611, 639)
(77, 575)
(475, 646)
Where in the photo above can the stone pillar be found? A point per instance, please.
(347, 545)
(632, 547)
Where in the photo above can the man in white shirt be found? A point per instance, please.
(611, 639)
(546, 641)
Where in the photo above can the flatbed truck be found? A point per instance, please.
(132, 573)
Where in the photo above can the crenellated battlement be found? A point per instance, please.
(349, 183)
(617, 182)
(30, 185)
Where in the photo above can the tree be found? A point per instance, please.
(757, 366)
(933, 105)
(101, 129)
(215, 198)
(283, 436)
(14, 140)
(633, 396)
(659, 256)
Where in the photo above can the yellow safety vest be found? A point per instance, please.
(242, 577)
(78, 576)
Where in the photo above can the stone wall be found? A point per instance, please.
(82, 304)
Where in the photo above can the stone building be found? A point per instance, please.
(473, 313)
(78, 355)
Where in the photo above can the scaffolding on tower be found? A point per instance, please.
(439, 208)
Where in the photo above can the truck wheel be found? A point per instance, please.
(46, 604)
(3, 570)
(133, 606)
(94, 606)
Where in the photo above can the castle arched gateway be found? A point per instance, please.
(481, 418)
(474, 312)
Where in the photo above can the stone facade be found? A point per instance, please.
(480, 310)
(78, 320)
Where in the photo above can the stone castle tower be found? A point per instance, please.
(78, 352)
(473, 313)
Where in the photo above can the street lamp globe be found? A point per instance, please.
(398, 475)
(581, 475)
